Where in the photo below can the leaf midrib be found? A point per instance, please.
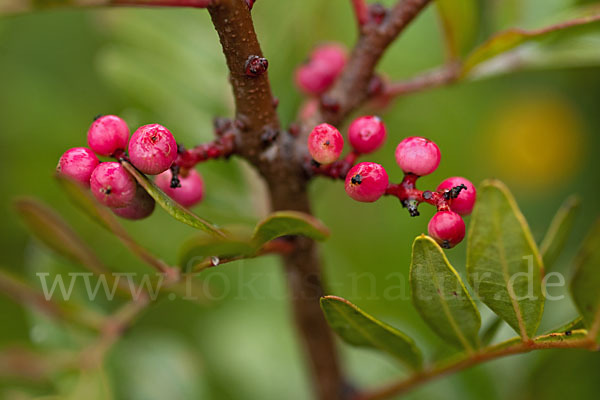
(446, 309)
(506, 276)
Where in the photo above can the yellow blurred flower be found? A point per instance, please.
(535, 141)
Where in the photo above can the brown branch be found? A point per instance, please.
(585, 341)
(273, 152)
(352, 88)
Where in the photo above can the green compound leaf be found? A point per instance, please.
(512, 38)
(169, 205)
(440, 296)
(283, 223)
(358, 328)
(503, 263)
(586, 281)
(558, 232)
(459, 20)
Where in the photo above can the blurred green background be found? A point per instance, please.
(535, 130)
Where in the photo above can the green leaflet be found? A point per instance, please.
(503, 263)
(460, 21)
(586, 281)
(360, 329)
(283, 223)
(169, 205)
(440, 296)
(558, 232)
(510, 39)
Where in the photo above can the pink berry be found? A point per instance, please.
(464, 203)
(112, 185)
(108, 134)
(140, 207)
(314, 79)
(366, 134)
(366, 182)
(78, 163)
(152, 149)
(325, 144)
(331, 54)
(447, 228)
(418, 155)
(189, 193)
(320, 72)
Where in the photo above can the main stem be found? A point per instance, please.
(278, 163)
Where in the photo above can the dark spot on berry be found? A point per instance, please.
(446, 244)
(315, 163)
(427, 195)
(107, 191)
(356, 179)
(154, 138)
(327, 143)
(97, 117)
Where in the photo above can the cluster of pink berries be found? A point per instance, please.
(320, 71)
(417, 156)
(151, 149)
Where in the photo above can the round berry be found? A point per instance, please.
(112, 185)
(366, 134)
(152, 149)
(464, 203)
(314, 79)
(418, 155)
(447, 228)
(189, 193)
(108, 134)
(78, 163)
(140, 207)
(325, 144)
(333, 55)
(366, 182)
(322, 69)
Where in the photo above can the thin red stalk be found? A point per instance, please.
(435, 78)
(361, 11)
(336, 170)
